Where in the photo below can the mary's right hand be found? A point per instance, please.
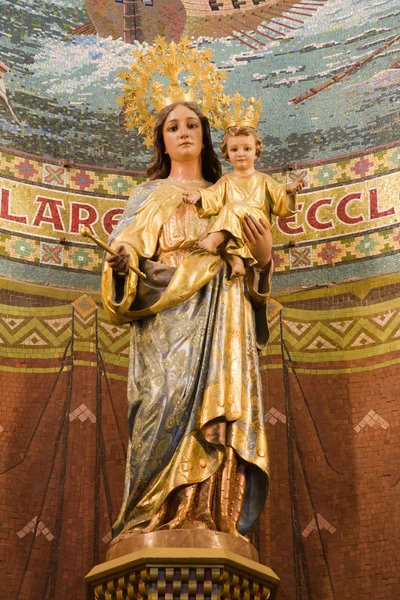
(119, 261)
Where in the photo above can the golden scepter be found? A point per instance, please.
(85, 232)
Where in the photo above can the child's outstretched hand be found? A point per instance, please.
(191, 197)
(295, 186)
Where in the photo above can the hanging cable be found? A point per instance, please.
(100, 466)
(99, 458)
(64, 416)
(51, 575)
(106, 485)
(289, 418)
(63, 360)
(299, 557)
(395, 483)
(100, 358)
(309, 409)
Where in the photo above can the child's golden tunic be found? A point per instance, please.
(233, 197)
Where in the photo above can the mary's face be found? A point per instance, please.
(183, 134)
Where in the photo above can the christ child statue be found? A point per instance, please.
(238, 194)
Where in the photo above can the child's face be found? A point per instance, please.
(241, 151)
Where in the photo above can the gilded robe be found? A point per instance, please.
(194, 382)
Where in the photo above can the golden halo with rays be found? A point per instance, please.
(165, 73)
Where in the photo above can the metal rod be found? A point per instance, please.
(85, 232)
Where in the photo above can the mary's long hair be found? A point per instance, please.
(160, 165)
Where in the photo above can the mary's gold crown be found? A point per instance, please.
(163, 74)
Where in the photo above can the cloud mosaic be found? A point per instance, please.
(61, 79)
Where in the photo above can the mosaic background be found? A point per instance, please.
(62, 85)
(328, 73)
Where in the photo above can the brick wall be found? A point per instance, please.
(344, 432)
(63, 432)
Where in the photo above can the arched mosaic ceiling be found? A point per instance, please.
(62, 86)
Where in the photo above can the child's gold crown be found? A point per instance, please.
(237, 114)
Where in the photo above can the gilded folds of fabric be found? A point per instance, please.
(194, 383)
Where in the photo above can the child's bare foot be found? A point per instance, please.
(208, 244)
(237, 265)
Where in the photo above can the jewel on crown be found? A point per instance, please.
(236, 113)
(163, 74)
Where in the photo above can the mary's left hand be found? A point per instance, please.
(258, 238)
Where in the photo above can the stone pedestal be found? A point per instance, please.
(157, 569)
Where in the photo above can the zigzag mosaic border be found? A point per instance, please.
(319, 338)
(369, 334)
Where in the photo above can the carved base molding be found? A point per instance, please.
(181, 574)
